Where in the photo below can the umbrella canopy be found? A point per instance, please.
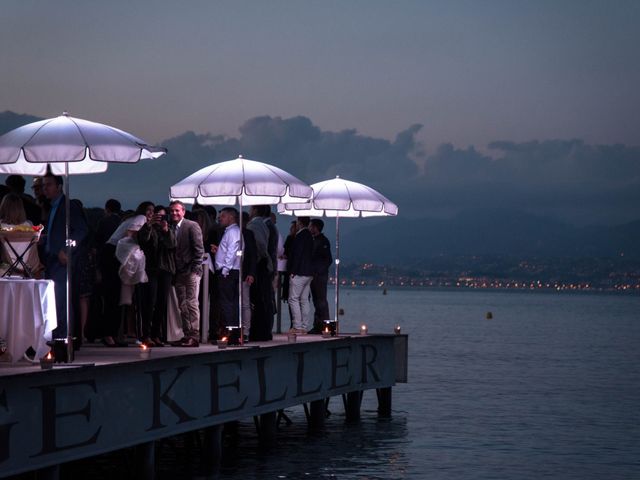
(341, 198)
(69, 145)
(66, 145)
(241, 181)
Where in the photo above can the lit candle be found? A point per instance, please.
(144, 351)
(397, 329)
(46, 363)
(363, 329)
(222, 343)
(326, 333)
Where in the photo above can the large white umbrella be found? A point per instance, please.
(67, 146)
(341, 198)
(241, 182)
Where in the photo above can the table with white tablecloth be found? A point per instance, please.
(27, 315)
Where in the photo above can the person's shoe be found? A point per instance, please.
(157, 342)
(190, 342)
(178, 343)
(108, 342)
(147, 342)
(293, 330)
(30, 355)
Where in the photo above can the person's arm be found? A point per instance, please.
(198, 248)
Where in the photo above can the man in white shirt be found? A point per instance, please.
(227, 265)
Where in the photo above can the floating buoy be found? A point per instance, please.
(489, 316)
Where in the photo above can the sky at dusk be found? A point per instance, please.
(484, 90)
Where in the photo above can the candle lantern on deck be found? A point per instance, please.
(222, 343)
(145, 352)
(364, 330)
(331, 326)
(46, 362)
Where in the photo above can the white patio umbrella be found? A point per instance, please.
(241, 182)
(65, 145)
(341, 198)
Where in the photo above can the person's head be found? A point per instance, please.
(176, 211)
(303, 222)
(136, 224)
(16, 183)
(293, 228)
(52, 186)
(112, 206)
(265, 211)
(213, 213)
(228, 216)
(315, 226)
(245, 218)
(36, 186)
(12, 209)
(146, 209)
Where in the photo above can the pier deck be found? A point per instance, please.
(48, 417)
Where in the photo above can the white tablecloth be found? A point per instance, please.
(27, 315)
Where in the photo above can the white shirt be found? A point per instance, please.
(226, 256)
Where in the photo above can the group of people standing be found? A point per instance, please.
(148, 257)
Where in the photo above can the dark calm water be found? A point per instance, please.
(548, 388)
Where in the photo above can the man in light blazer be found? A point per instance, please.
(189, 255)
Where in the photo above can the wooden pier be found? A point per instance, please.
(110, 399)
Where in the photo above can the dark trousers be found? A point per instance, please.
(263, 305)
(319, 297)
(109, 266)
(153, 303)
(227, 295)
(58, 273)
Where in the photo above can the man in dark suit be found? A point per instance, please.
(321, 260)
(55, 251)
(189, 255)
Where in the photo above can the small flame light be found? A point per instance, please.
(397, 330)
(326, 333)
(363, 329)
(46, 363)
(222, 343)
(145, 352)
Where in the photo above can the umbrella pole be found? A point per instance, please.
(67, 207)
(337, 292)
(240, 286)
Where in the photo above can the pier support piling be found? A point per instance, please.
(212, 450)
(48, 473)
(317, 414)
(384, 402)
(352, 406)
(145, 455)
(267, 428)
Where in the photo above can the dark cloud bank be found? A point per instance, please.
(531, 197)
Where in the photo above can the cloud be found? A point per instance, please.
(565, 179)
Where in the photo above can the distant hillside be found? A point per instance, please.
(10, 120)
(400, 240)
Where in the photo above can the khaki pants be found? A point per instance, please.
(187, 286)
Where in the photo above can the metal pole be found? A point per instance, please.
(240, 254)
(337, 294)
(68, 243)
